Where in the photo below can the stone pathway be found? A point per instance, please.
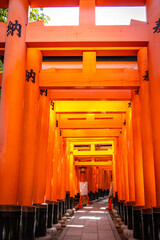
(91, 223)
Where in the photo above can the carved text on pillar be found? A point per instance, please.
(146, 76)
(137, 92)
(52, 104)
(12, 27)
(129, 105)
(43, 91)
(157, 27)
(30, 76)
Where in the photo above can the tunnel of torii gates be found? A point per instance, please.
(80, 96)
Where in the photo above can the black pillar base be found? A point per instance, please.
(156, 223)
(56, 213)
(60, 208)
(41, 220)
(122, 210)
(129, 214)
(28, 223)
(50, 213)
(63, 207)
(137, 222)
(10, 222)
(125, 213)
(147, 228)
(96, 195)
(68, 199)
(71, 203)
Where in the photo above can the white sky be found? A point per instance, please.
(104, 15)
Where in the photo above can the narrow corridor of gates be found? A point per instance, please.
(93, 222)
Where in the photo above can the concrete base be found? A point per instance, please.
(47, 237)
(123, 226)
(67, 215)
(57, 226)
(64, 219)
(62, 222)
(114, 211)
(52, 231)
(128, 233)
(69, 211)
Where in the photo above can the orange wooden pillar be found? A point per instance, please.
(121, 180)
(130, 159)
(94, 179)
(30, 120)
(153, 18)
(71, 171)
(124, 159)
(114, 173)
(55, 168)
(12, 100)
(137, 144)
(147, 145)
(50, 155)
(146, 131)
(42, 144)
(87, 13)
(63, 162)
(97, 177)
(67, 156)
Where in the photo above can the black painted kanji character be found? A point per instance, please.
(146, 76)
(137, 92)
(30, 75)
(12, 27)
(129, 105)
(43, 91)
(157, 27)
(52, 104)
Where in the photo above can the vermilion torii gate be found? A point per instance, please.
(37, 135)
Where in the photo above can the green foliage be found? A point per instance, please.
(36, 14)
(3, 14)
(1, 66)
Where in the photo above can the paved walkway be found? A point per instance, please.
(91, 223)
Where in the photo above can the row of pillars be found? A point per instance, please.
(136, 186)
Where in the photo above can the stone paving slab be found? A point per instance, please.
(91, 223)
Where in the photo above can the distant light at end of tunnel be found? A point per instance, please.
(78, 226)
(97, 212)
(90, 218)
(88, 207)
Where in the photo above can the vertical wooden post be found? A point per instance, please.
(87, 13)
(153, 16)
(124, 160)
(130, 154)
(146, 131)
(50, 155)
(12, 101)
(42, 144)
(29, 141)
(137, 145)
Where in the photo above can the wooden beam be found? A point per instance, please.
(3, 28)
(75, 3)
(91, 107)
(89, 94)
(81, 133)
(106, 164)
(90, 121)
(133, 35)
(108, 78)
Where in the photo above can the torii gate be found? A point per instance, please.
(26, 87)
